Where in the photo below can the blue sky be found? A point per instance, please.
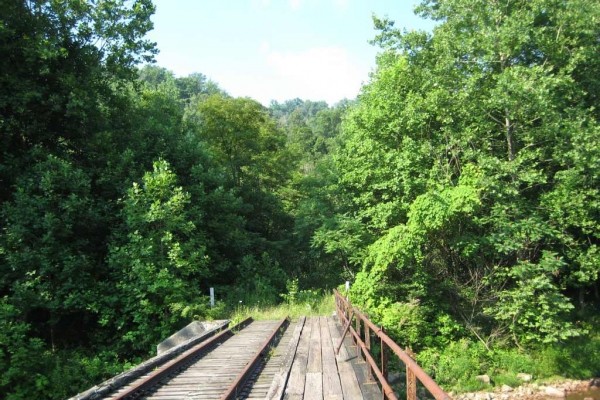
(276, 49)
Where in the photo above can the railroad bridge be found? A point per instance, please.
(345, 356)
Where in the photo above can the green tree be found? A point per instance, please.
(159, 263)
(318, 259)
(48, 267)
(60, 62)
(244, 138)
(457, 157)
(66, 73)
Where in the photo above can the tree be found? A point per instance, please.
(196, 85)
(159, 261)
(48, 268)
(64, 98)
(455, 159)
(246, 141)
(243, 137)
(189, 87)
(60, 61)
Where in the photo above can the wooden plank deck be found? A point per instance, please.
(302, 366)
(211, 375)
(270, 382)
(318, 374)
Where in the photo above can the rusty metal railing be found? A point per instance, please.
(361, 335)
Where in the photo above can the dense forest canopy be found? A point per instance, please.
(459, 192)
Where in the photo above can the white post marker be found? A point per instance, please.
(347, 286)
(212, 297)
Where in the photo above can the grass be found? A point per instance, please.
(314, 306)
(456, 366)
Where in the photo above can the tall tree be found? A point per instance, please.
(159, 262)
(244, 137)
(59, 61)
(65, 66)
(456, 157)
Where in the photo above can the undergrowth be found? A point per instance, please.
(308, 304)
(456, 365)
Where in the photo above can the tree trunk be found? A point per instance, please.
(509, 127)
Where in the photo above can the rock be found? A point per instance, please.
(524, 377)
(520, 389)
(570, 385)
(506, 389)
(483, 396)
(504, 396)
(588, 398)
(595, 383)
(483, 378)
(554, 392)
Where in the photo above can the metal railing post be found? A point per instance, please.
(357, 329)
(368, 346)
(384, 358)
(414, 372)
(337, 351)
(411, 380)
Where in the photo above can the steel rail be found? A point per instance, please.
(169, 367)
(238, 383)
(421, 375)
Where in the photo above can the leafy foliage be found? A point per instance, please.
(453, 171)
(119, 208)
(459, 193)
(158, 264)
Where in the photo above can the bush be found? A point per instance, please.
(261, 281)
(456, 365)
(308, 297)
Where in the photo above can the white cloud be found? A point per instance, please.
(295, 4)
(264, 47)
(261, 3)
(341, 4)
(320, 73)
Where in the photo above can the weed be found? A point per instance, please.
(318, 305)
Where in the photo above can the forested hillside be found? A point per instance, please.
(468, 187)
(459, 193)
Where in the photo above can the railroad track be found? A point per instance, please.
(221, 367)
(309, 359)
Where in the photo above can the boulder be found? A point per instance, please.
(483, 396)
(551, 391)
(483, 378)
(524, 377)
(506, 389)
